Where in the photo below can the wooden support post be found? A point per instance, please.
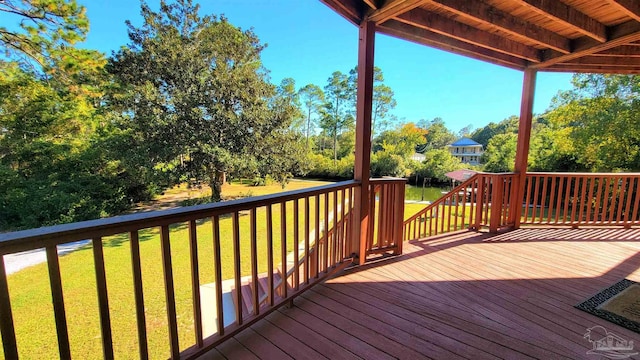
(496, 202)
(363, 137)
(524, 135)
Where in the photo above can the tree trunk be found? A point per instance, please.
(308, 126)
(216, 179)
(335, 145)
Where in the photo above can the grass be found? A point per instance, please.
(31, 297)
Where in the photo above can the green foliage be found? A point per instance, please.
(383, 99)
(197, 100)
(324, 167)
(312, 98)
(401, 141)
(337, 111)
(386, 163)
(437, 163)
(40, 29)
(484, 134)
(438, 136)
(500, 154)
(54, 157)
(600, 123)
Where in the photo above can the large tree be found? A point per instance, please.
(383, 99)
(438, 135)
(312, 98)
(338, 108)
(34, 29)
(195, 93)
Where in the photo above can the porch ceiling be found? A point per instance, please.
(601, 36)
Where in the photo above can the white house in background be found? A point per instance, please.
(467, 150)
(418, 157)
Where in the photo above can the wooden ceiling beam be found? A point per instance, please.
(489, 15)
(371, 3)
(425, 37)
(393, 8)
(592, 69)
(619, 35)
(580, 22)
(621, 51)
(459, 31)
(630, 7)
(349, 9)
(607, 61)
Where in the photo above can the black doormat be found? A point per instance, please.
(619, 304)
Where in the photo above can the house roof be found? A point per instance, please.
(601, 36)
(460, 175)
(465, 142)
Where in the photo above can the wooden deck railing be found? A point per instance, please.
(579, 199)
(480, 201)
(386, 213)
(311, 225)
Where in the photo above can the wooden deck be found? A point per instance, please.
(463, 296)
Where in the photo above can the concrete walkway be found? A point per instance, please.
(18, 261)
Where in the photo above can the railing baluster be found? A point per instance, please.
(581, 207)
(574, 204)
(283, 246)
(552, 199)
(58, 301)
(217, 275)
(544, 197)
(325, 253)
(561, 196)
(528, 189)
(598, 199)
(103, 299)
(472, 202)
(605, 198)
(612, 207)
(139, 295)
(590, 199)
(236, 266)
(169, 291)
(373, 218)
(270, 254)
(334, 249)
(343, 224)
(348, 245)
(195, 282)
(636, 202)
(623, 185)
(455, 217)
(442, 215)
(307, 229)
(629, 193)
(316, 244)
(487, 199)
(534, 201)
(9, 344)
(296, 245)
(254, 262)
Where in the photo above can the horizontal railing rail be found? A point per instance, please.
(581, 199)
(249, 238)
(483, 200)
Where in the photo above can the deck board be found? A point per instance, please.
(465, 295)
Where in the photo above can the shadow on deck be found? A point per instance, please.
(463, 295)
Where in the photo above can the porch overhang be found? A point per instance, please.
(593, 36)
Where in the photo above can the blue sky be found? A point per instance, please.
(307, 41)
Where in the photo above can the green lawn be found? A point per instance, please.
(31, 299)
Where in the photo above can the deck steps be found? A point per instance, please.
(246, 289)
